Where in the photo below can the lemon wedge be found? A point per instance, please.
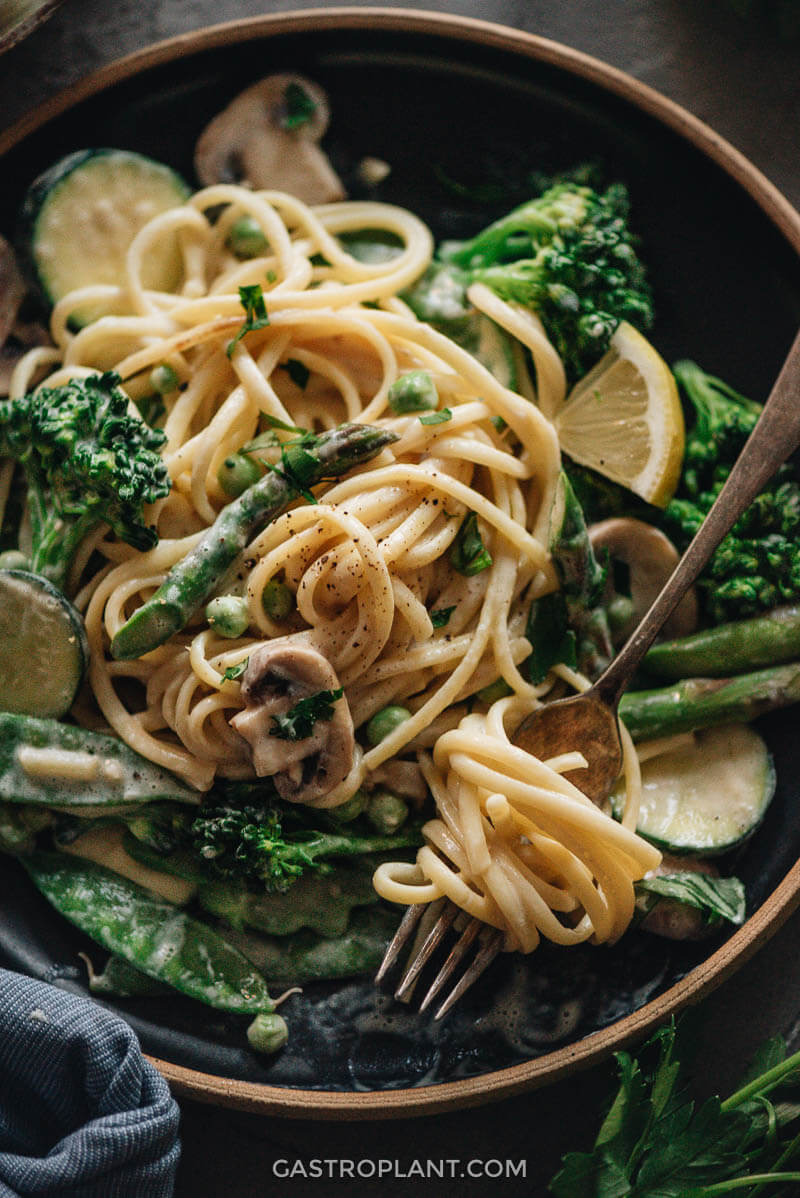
(624, 419)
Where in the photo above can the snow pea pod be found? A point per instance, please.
(52, 764)
(150, 933)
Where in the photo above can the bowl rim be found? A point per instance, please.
(785, 898)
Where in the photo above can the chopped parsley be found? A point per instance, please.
(299, 106)
(255, 314)
(468, 554)
(436, 417)
(298, 722)
(234, 672)
(298, 372)
(441, 616)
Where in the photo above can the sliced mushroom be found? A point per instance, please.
(650, 557)
(255, 142)
(278, 675)
(674, 920)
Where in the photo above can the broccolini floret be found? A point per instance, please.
(266, 844)
(568, 254)
(757, 566)
(87, 461)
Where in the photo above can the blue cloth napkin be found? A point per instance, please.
(82, 1114)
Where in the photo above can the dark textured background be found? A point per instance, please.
(741, 77)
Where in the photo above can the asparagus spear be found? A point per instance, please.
(702, 702)
(740, 645)
(190, 582)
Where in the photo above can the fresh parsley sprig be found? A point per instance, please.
(255, 314)
(298, 722)
(656, 1142)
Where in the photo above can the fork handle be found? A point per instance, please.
(775, 436)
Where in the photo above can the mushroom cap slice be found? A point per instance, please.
(650, 557)
(278, 675)
(253, 142)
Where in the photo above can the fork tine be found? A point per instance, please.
(456, 953)
(403, 934)
(491, 940)
(424, 953)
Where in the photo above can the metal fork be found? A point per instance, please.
(426, 926)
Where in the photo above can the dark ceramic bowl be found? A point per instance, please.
(452, 104)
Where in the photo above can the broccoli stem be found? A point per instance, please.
(193, 579)
(740, 645)
(702, 702)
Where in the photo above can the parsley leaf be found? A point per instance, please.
(468, 554)
(441, 616)
(255, 313)
(298, 372)
(299, 106)
(234, 672)
(298, 722)
(436, 417)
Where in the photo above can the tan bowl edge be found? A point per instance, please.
(504, 1083)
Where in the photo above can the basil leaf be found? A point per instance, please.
(234, 672)
(436, 417)
(717, 898)
(552, 640)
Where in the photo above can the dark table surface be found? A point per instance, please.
(739, 75)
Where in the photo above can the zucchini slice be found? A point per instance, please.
(707, 798)
(44, 651)
(80, 217)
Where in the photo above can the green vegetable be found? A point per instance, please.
(413, 392)
(440, 617)
(277, 600)
(306, 956)
(569, 255)
(255, 314)
(757, 565)
(437, 417)
(150, 933)
(298, 722)
(703, 702)
(236, 473)
(86, 461)
(44, 650)
(298, 372)
(468, 554)
(192, 580)
(708, 797)
(163, 379)
(386, 812)
(716, 898)
(246, 238)
(299, 106)
(267, 1033)
(273, 845)
(494, 691)
(384, 722)
(51, 764)
(655, 1142)
(13, 559)
(228, 615)
(71, 241)
(123, 980)
(234, 672)
(741, 645)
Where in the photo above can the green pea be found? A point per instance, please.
(267, 1033)
(277, 599)
(350, 810)
(163, 379)
(228, 615)
(246, 238)
(413, 392)
(236, 473)
(386, 812)
(384, 722)
(494, 691)
(13, 559)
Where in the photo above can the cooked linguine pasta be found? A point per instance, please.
(513, 842)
